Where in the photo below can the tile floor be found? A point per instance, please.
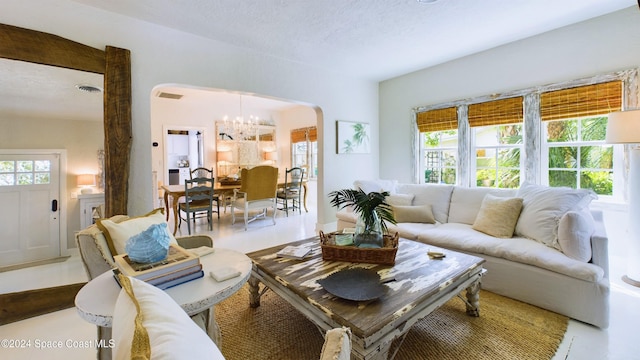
(581, 341)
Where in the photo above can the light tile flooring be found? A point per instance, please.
(619, 341)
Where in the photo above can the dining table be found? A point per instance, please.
(172, 193)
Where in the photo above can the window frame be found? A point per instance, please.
(617, 166)
(423, 158)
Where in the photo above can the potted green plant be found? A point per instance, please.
(373, 213)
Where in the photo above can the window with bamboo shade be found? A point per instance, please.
(300, 135)
(497, 112)
(581, 101)
(437, 120)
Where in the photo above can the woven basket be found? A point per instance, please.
(385, 255)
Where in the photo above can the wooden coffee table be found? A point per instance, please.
(417, 286)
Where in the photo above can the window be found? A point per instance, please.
(498, 155)
(497, 134)
(440, 149)
(304, 150)
(438, 145)
(575, 122)
(576, 155)
(25, 172)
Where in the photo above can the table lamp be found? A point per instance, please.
(224, 158)
(271, 156)
(624, 128)
(85, 182)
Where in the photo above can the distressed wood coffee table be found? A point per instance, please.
(417, 285)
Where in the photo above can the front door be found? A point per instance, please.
(29, 211)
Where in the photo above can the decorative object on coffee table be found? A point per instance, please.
(385, 255)
(372, 210)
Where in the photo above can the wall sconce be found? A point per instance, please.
(85, 182)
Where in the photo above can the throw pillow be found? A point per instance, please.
(543, 207)
(337, 344)
(170, 333)
(400, 199)
(117, 234)
(574, 234)
(413, 214)
(498, 216)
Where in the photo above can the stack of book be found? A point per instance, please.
(180, 266)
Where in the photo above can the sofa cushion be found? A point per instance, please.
(498, 216)
(574, 234)
(117, 234)
(465, 202)
(436, 195)
(543, 207)
(171, 334)
(376, 185)
(462, 237)
(409, 230)
(100, 240)
(399, 199)
(413, 214)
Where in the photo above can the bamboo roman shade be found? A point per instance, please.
(589, 100)
(300, 135)
(497, 112)
(437, 120)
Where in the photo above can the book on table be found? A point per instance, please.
(169, 280)
(293, 252)
(178, 259)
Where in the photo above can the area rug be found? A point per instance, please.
(22, 305)
(506, 329)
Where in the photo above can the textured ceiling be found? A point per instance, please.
(374, 39)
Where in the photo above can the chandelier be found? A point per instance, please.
(238, 128)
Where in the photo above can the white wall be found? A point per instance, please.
(598, 46)
(160, 55)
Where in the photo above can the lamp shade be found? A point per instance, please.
(225, 156)
(86, 180)
(270, 155)
(623, 127)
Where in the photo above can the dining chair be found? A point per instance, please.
(292, 190)
(202, 172)
(257, 192)
(198, 193)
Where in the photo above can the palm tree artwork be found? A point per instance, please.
(353, 137)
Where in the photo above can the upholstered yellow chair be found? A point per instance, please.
(257, 192)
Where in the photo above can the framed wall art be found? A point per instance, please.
(352, 137)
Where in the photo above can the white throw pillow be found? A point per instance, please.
(117, 233)
(171, 332)
(574, 234)
(543, 207)
(498, 216)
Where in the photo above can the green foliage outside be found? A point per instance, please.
(595, 162)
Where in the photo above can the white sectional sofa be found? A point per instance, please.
(557, 258)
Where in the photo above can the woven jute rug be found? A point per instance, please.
(506, 329)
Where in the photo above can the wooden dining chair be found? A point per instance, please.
(198, 193)
(203, 172)
(292, 190)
